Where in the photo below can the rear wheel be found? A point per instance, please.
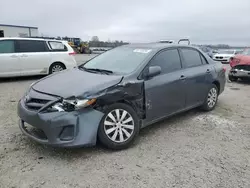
(232, 78)
(118, 127)
(56, 67)
(211, 99)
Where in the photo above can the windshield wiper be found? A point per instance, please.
(98, 70)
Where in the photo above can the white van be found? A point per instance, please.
(34, 56)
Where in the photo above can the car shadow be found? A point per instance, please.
(89, 152)
(20, 79)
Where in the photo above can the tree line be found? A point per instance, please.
(95, 42)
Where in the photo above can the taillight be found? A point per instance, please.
(72, 53)
(224, 69)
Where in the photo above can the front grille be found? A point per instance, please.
(242, 67)
(35, 104)
(219, 57)
(35, 100)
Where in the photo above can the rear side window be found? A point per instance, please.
(203, 60)
(191, 57)
(30, 46)
(57, 46)
(168, 60)
(7, 46)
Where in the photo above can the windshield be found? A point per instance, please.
(121, 60)
(246, 52)
(226, 51)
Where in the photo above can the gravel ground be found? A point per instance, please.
(193, 149)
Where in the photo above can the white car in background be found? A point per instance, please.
(34, 56)
(224, 56)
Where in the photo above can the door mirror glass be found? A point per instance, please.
(153, 71)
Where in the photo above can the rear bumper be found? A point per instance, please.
(61, 129)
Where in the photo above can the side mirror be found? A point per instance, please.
(153, 71)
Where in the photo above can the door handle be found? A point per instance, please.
(208, 71)
(14, 56)
(182, 77)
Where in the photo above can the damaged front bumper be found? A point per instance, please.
(62, 129)
(240, 73)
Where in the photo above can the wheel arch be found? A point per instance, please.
(217, 83)
(56, 62)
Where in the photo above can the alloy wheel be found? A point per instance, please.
(212, 98)
(119, 125)
(56, 68)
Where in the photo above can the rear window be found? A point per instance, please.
(57, 46)
(31, 46)
(6, 46)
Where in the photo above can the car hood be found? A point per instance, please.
(75, 83)
(244, 59)
(223, 55)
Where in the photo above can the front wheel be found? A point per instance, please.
(118, 127)
(211, 99)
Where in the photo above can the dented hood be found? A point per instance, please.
(75, 83)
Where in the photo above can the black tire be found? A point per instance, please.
(54, 65)
(232, 78)
(206, 106)
(103, 137)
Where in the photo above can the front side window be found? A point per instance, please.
(121, 60)
(168, 60)
(30, 46)
(6, 46)
(191, 58)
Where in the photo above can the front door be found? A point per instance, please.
(164, 94)
(9, 60)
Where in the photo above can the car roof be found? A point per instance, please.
(157, 46)
(21, 38)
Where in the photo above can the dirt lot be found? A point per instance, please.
(193, 149)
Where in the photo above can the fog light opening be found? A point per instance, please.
(67, 133)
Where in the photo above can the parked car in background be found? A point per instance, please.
(117, 93)
(209, 51)
(27, 56)
(224, 56)
(240, 66)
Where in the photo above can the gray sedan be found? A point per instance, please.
(114, 95)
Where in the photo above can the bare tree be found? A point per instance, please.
(95, 39)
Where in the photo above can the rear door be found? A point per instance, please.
(34, 56)
(164, 93)
(9, 60)
(197, 73)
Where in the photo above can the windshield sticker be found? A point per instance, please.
(145, 51)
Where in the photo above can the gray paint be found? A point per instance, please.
(153, 99)
(85, 123)
(76, 83)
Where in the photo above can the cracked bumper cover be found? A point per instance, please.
(83, 126)
(239, 73)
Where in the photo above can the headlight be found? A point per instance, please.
(71, 105)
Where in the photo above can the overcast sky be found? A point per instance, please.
(203, 21)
